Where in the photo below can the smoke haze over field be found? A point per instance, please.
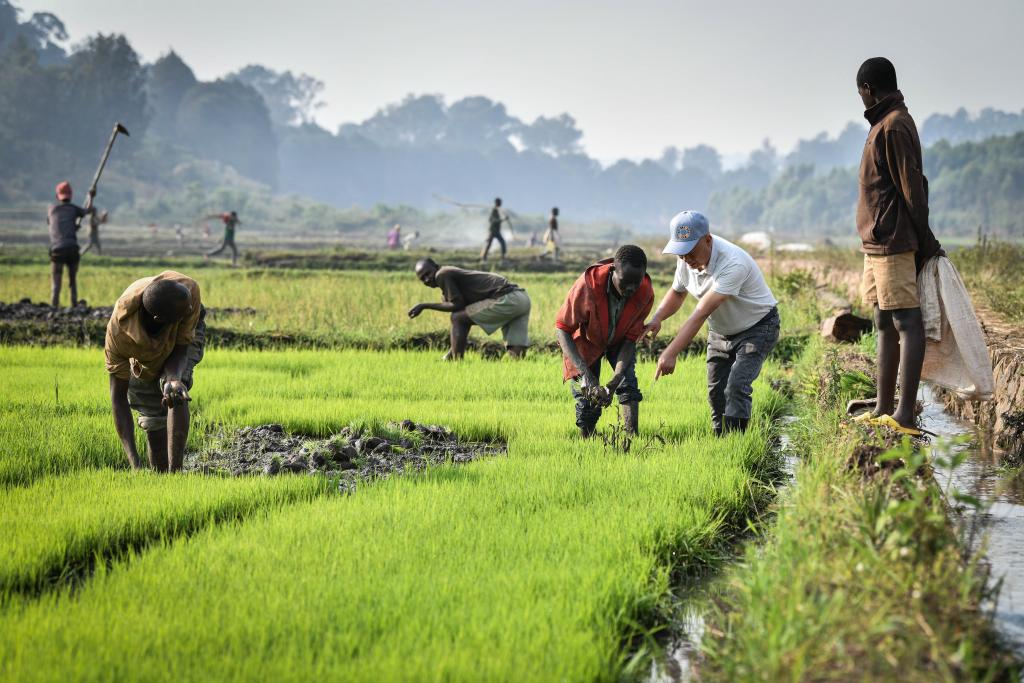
(636, 77)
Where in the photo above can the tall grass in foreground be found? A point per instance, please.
(860, 578)
(537, 566)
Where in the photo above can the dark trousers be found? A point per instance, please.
(487, 245)
(734, 362)
(224, 245)
(587, 415)
(65, 256)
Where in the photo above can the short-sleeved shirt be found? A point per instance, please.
(130, 350)
(464, 287)
(62, 218)
(734, 273)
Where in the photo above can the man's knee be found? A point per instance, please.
(461, 318)
(883, 319)
(907, 320)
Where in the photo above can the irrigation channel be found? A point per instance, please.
(1002, 527)
(680, 643)
(1002, 519)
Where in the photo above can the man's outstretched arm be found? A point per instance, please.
(668, 307)
(444, 307)
(123, 423)
(705, 307)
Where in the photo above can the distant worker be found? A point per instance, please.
(476, 298)
(742, 315)
(95, 221)
(551, 236)
(154, 340)
(395, 237)
(408, 240)
(896, 239)
(496, 218)
(230, 223)
(603, 318)
(64, 219)
(179, 233)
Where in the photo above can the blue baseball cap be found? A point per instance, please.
(684, 231)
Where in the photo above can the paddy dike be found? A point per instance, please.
(351, 456)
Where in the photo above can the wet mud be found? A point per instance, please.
(28, 322)
(350, 456)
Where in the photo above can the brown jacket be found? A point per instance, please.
(892, 207)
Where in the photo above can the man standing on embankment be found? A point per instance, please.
(603, 317)
(472, 298)
(154, 340)
(742, 315)
(892, 220)
(64, 219)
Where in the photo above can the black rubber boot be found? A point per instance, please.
(734, 424)
(631, 417)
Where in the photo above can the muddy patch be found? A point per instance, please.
(352, 455)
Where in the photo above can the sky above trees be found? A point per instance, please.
(636, 77)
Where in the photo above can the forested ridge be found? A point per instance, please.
(252, 135)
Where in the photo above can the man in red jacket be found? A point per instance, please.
(603, 317)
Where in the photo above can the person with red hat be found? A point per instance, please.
(65, 220)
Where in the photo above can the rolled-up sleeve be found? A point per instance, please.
(117, 363)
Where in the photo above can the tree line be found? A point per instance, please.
(253, 134)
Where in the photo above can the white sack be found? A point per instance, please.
(955, 356)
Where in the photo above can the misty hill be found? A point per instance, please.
(250, 139)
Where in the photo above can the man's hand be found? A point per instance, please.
(415, 310)
(666, 364)
(652, 329)
(175, 393)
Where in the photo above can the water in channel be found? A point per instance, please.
(1003, 530)
(1003, 520)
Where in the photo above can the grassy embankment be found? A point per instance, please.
(863, 577)
(994, 273)
(535, 566)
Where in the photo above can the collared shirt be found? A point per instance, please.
(730, 271)
(130, 350)
(616, 304)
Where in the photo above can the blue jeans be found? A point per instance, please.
(587, 415)
(734, 362)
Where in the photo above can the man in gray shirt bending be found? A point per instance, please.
(473, 297)
(742, 315)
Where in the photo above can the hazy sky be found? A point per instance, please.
(638, 75)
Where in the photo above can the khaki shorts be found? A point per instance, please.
(510, 312)
(890, 281)
(146, 398)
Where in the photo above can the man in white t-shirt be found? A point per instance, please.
(742, 315)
